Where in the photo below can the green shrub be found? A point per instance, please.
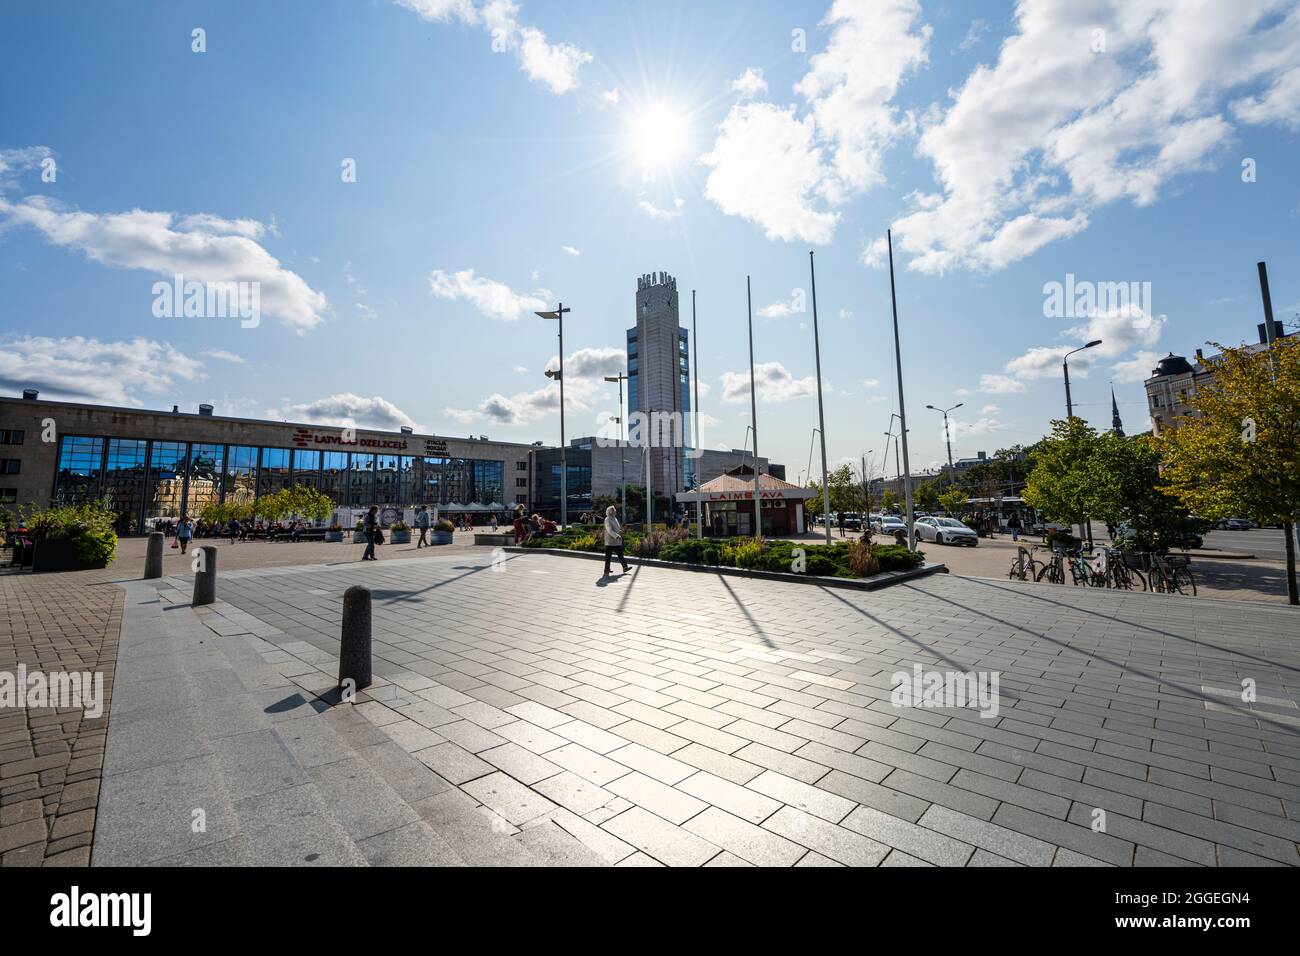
(89, 526)
(896, 557)
(749, 553)
(442, 524)
(710, 555)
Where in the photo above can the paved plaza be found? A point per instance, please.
(533, 714)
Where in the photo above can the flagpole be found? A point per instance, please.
(821, 415)
(753, 412)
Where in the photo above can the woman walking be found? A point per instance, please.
(614, 539)
(184, 532)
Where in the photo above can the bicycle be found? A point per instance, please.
(1172, 574)
(1025, 567)
(1127, 567)
(1053, 571)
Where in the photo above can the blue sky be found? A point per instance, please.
(1007, 146)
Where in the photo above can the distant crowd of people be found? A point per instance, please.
(184, 529)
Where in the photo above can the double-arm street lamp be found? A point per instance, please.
(947, 435)
(558, 375)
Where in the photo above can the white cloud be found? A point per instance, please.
(345, 408)
(520, 368)
(774, 383)
(571, 250)
(201, 247)
(990, 410)
(766, 167)
(786, 172)
(750, 83)
(1030, 147)
(223, 356)
(656, 212)
(1119, 330)
(876, 253)
(584, 387)
(494, 299)
(88, 370)
(610, 96)
(845, 314)
(1000, 385)
(871, 383)
(1136, 369)
(981, 426)
(554, 65)
(778, 310)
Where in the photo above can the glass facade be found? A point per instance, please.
(149, 480)
(273, 473)
(205, 472)
(81, 462)
(124, 472)
(165, 486)
(240, 483)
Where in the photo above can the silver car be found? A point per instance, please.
(945, 531)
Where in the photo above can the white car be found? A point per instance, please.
(945, 531)
(888, 524)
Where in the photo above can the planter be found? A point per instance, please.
(333, 535)
(440, 537)
(399, 537)
(60, 556)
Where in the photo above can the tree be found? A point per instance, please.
(1238, 453)
(1060, 485)
(1128, 488)
(888, 501)
(635, 502)
(926, 496)
(953, 501)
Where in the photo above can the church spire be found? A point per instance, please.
(1115, 424)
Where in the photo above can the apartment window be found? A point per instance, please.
(521, 499)
(521, 466)
(521, 482)
(8, 496)
(10, 466)
(11, 436)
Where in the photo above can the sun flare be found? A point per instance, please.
(658, 137)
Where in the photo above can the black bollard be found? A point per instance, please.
(354, 648)
(205, 578)
(153, 555)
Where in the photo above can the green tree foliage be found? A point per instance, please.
(1238, 453)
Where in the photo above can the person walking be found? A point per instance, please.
(1014, 525)
(232, 529)
(614, 540)
(184, 532)
(371, 526)
(494, 524)
(422, 522)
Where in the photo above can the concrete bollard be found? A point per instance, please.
(354, 648)
(153, 555)
(205, 576)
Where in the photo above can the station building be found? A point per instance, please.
(154, 465)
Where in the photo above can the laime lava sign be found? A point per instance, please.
(303, 438)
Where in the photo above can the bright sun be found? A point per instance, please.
(658, 137)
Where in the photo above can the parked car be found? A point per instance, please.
(888, 524)
(945, 531)
(852, 521)
(1238, 524)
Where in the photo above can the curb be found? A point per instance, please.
(881, 580)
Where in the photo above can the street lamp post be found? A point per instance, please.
(559, 377)
(1065, 368)
(695, 366)
(753, 411)
(947, 435)
(622, 440)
